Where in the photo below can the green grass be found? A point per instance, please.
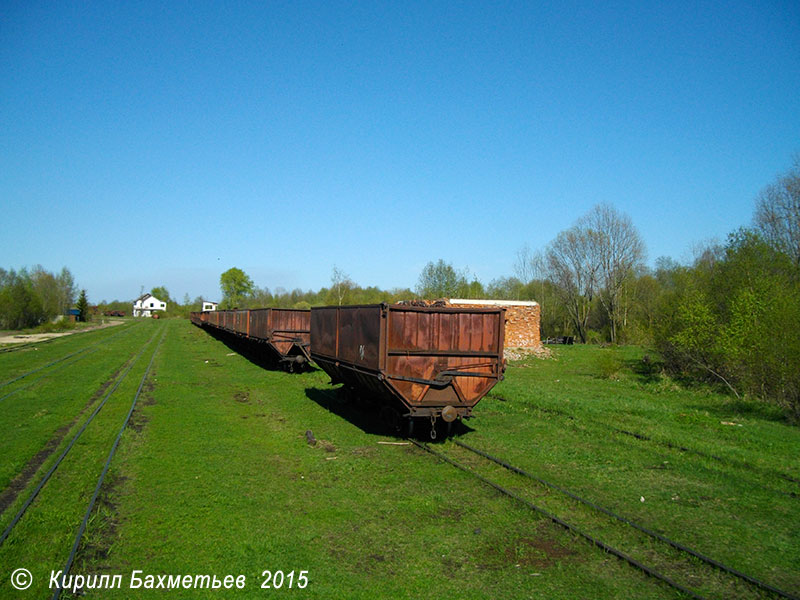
(562, 420)
(215, 476)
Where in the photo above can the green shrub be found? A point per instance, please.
(54, 326)
(734, 321)
(610, 363)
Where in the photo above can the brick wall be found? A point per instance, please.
(522, 320)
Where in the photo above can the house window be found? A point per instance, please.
(151, 305)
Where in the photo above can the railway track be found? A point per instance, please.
(101, 479)
(60, 360)
(111, 407)
(678, 552)
(117, 380)
(48, 374)
(16, 347)
(23, 346)
(760, 471)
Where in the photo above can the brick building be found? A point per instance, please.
(522, 320)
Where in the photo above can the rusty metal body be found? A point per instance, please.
(419, 361)
(283, 332)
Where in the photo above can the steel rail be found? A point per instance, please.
(99, 485)
(15, 347)
(677, 545)
(672, 446)
(732, 462)
(36, 370)
(593, 540)
(131, 362)
(66, 364)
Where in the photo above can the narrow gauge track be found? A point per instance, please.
(82, 528)
(55, 370)
(593, 540)
(126, 368)
(16, 347)
(63, 358)
(667, 444)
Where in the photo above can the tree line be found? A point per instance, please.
(31, 297)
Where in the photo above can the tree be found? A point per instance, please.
(66, 287)
(505, 288)
(620, 250)
(777, 215)
(262, 297)
(527, 265)
(594, 259)
(474, 289)
(20, 307)
(573, 264)
(45, 286)
(162, 293)
(236, 285)
(83, 307)
(340, 284)
(440, 280)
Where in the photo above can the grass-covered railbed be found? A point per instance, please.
(214, 475)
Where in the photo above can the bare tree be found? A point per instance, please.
(777, 215)
(573, 264)
(524, 264)
(620, 250)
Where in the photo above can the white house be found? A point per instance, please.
(144, 305)
(208, 305)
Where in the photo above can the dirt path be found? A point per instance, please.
(27, 338)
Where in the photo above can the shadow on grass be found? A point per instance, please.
(735, 407)
(648, 369)
(367, 417)
(651, 370)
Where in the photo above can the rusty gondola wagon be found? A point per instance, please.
(411, 363)
(279, 334)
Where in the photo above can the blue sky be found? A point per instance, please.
(146, 144)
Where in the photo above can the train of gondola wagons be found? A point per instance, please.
(409, 363)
